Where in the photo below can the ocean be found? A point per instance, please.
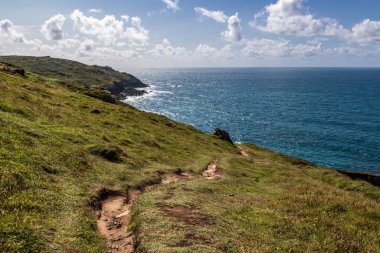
(329, 116)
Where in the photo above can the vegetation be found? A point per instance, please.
(59, 149)
(71, 71)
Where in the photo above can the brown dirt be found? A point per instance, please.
(175, 178)
(115, 214)
(170, 179)
(371, 178)
(191, 238)
(113, 222)
(243, 152)
(188, 215)
(213, 172)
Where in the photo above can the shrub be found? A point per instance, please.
(108, 152)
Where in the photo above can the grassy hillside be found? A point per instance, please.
(77, 73)
(59, 148)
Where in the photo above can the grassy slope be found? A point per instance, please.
(69, 71)
(265, 203)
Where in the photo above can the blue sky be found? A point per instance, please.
(179, 33)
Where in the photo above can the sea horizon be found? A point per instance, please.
(254, 67)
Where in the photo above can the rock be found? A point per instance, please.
(371, 178)
(223, 135)
(101, 94)
(127, 87)
(128, 92)
(21, 72)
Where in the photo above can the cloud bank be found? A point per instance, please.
(284, 29)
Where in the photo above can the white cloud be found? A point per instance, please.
(95, 11)
(366, 31)
(9, 32)
(87, 50)
(233, 32)
(86, 47)
(62, 46)
(110, 29)
(137, 34)
(266, 47)
(280, 48)
(69, 43)
(109, 53)
(218, 16)
(52, 29)
(172, 4)
(308, 50)
(165, 49)
(206, 51)
(125, 18)
(227, 52)
(289, 17)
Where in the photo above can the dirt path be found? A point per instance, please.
(115, 216)
(243, 152)
(213, 172)
(175, 178)
(114, 220)
(115, 213)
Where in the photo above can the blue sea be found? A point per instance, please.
(329, 116)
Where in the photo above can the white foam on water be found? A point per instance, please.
(151, 92)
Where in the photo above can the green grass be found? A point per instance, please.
(58, 148)
(70, 71)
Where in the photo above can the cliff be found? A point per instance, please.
(120, 84)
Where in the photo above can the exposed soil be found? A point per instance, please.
(213, 172)
(113, 222)
(170, 179)
(115, 214)
(192, 238)
(175, 178)
(188, 215)
(243, 152)
(371, 178)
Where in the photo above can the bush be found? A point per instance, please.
(108, 152)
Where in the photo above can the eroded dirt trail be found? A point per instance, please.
(175, 178)
(115, 216)
(213, 172)
(242, 151)
(114, 221)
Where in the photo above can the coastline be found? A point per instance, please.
(373, 178)
(72, 153)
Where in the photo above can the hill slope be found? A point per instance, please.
(64, 155)
(118, 83)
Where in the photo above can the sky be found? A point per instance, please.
(195, 33)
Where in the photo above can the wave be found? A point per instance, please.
(151, 92)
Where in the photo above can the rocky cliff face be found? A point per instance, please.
(127, 87)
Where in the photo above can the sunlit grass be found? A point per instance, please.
(54, 157)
